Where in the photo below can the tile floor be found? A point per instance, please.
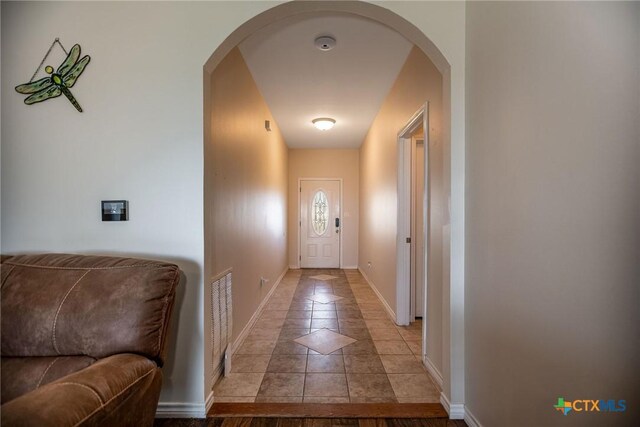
(324, 337)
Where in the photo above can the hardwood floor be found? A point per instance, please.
(309, 422)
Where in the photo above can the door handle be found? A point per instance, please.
(337, 222)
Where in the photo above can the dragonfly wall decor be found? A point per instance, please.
(58, 82)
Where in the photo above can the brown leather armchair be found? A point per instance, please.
(83, 339)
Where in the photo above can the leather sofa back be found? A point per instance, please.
(59, 304)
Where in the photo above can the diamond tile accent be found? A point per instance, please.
(325, 341)
(323, 277)
(324, 298)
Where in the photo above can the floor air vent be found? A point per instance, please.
(221, 323)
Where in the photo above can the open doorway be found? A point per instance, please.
(379, 269)
(422, 239)
(413, 220)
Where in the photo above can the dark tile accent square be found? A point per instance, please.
(326, 385)
(288, 334)
(356, 333)
(328, 364)
(324, 314)
(301, 306)
(284, 363)
(324, 323)
(318, 306)
(337, 352)
(349, 323)
(360, 347)
(363, 364)
(289, 347)
(369, 385)
(288, 385)
(299, 314)
(297, 323)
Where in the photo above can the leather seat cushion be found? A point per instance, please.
(21, 375)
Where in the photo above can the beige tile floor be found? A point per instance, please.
(324, 337)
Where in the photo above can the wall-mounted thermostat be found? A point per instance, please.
(115, 210)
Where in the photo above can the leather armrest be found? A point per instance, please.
(90, 396)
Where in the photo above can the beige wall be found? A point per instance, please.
(419, 81)
(308, 163)
(553, 211)
(245, 189)
(152, 139)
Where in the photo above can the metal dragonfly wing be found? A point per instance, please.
(58, 83)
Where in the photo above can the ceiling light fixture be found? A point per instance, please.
(323, 123)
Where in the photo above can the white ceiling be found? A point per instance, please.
(348, 83)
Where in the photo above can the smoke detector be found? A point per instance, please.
(325, 43)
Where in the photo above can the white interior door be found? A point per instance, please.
(320, 224)
(419, 228)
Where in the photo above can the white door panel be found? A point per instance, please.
(320, 224)
(419, 230)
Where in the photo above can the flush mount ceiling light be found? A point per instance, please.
(323, 123)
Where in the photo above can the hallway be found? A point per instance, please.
(324, 337)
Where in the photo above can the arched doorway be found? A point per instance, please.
(453, 385)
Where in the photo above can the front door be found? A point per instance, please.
(320, 224)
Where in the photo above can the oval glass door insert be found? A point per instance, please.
(320, 209)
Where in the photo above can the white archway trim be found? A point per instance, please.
(454, 136)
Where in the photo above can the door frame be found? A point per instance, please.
(403, 248)
(300, 217)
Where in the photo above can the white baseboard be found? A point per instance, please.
(245, 331)
(390, 312)
(433, 372)
(349, 267)
(455, 410)
(208, 403)
(294, 267)
(470, 419)
(217, 374)
(181, 410)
